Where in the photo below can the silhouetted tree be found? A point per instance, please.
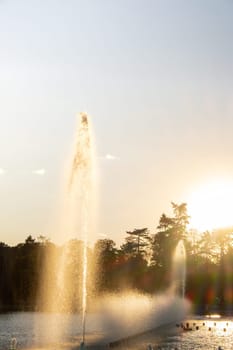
(30, 240)
(105, 253)
(170, 231)
(137, 243)
(223, 239)
(209, 266)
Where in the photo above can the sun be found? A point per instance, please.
(211, 206)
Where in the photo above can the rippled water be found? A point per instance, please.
(36, 330)
(31, 333)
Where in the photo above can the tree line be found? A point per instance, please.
(142, 263)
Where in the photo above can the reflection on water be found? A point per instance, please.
(207, 333)
(31, 329)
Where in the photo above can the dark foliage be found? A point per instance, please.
(143, 263)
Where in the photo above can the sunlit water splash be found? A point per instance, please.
(78, 221)
(68, 289)
(179, 269)
(80, 194)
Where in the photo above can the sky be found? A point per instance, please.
(156, 78)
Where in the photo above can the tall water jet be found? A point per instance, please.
(179, 269)
(65, 275)
(80, 191)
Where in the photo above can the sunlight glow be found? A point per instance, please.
(210, 206)
(2, 171)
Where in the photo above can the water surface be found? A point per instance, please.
(36, 330)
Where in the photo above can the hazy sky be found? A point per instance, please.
(156, 78)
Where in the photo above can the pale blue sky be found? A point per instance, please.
(156, 77)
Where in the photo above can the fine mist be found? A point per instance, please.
(128, 314)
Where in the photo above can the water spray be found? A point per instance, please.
(179, 269)
(80, 188)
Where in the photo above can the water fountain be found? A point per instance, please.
(117, 315)
(179, 269)
(61, 294)
(153, 312)
(80, 194)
